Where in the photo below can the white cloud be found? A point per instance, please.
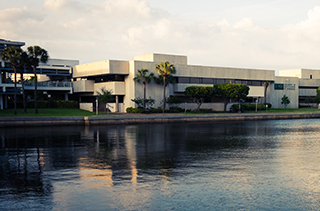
(19, 14)
(122, 29)
(59, 6)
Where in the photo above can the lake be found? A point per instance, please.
(252, 165)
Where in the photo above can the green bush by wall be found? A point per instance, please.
(250, 106)
(54, 104)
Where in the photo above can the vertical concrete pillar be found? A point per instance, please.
(117, 103)
(66, 97)
(1, 102)
(5, 101)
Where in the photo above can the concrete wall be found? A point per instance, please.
(256, 91)
(309, 83)
(305, 74)
(116, 87)
(154, 57)
(290, 73)
(86, 106)
(101, 68)
(224, 72)
(213, 106)
(290, 89)
(83, 86)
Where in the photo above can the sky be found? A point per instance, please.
(263, 34)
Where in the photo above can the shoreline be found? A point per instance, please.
(143, 119)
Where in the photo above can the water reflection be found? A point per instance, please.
(233, 165)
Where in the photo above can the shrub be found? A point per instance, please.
(66, 104)
(134, 110)
(249, 107)
(155, 110)
(174, 101)
(54, 104)
(175, 109)
(269, 105)
(139, 101)
(206, 110)
(41, 104)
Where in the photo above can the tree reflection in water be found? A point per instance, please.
(123, 167)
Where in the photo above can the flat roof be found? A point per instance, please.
(9, 42)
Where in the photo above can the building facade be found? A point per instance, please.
(66, 79)
(54, 77)
(118, 76)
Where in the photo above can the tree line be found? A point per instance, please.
(20, 61)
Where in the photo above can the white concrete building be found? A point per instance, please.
(68, 79)
(118, 76)
(297, 84)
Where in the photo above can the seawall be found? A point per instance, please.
(142, 119)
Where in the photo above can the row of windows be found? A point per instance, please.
(107, 78)
(191, 80)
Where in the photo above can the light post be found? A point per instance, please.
(266, 108)
(97, 106)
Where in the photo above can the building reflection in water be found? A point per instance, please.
(55, 163)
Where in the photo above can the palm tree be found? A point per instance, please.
(266, 84)
(143, 78)
(105, 96)
(36, 54)
(24, 64)
(164, 70)
(13, 54)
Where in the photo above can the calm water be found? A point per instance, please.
(257, 165)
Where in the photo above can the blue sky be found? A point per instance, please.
(265, 34)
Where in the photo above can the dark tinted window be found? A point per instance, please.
(183, 80)
(207, 80)
(195, 80)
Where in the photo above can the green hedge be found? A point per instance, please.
(135, 110)
(250, 106)
(151, 110)
(41, 104)
(54, 104)
(67, 104)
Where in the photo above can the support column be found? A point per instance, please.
(5, 101)
(66, 97)
(117, 103)
(1, 102)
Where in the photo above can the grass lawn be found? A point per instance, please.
(77, 112)
(45, 112)
(287, 110)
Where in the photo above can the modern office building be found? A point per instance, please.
(118, 76)
(66, 79)
(297, 84)
(54, 77)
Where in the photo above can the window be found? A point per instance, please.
(207, 80)
(183, 80)
(195, 80)
(219, 81)
(310, 76)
